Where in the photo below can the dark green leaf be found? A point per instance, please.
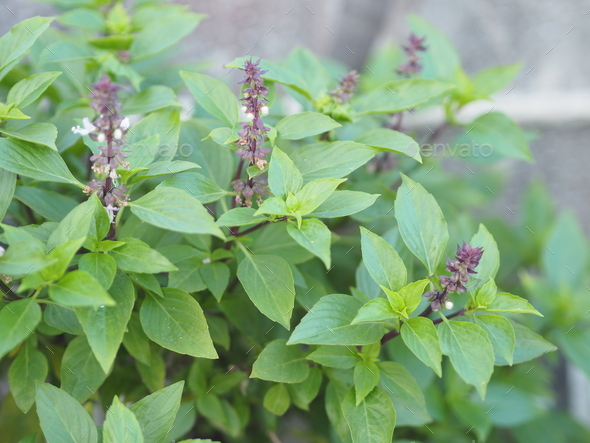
(18, 320)
(81, 374)
(29, 366)
(216, 277)
(48, 204)
(281, 363)
(135, 340)
(277, 399)
(343, 357)
(202, 188)
(501, 334)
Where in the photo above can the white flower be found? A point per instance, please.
(249, 115)
(113, 174)
(118, 134)
(264, 110)
(2, 251)
(244, 109)
(448, 304)
(111, 212)
(125, 123)
(207, 260)
(101, 138)
(87, 129)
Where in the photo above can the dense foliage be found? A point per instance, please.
(273, 251)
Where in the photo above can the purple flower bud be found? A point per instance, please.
(346, 88)
(412, 51)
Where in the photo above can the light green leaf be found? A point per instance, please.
(277, 399)
(529, 345)
(81, 374)
(501, 334)
(166, 124)
(331, 160)
(490, 260)
(156, 412)
(328, 323)
(62, 318)
(213, 96)
(23, 257)
(240, 217)
(188, 277)
(283, 175)
(391, 141)
(101, 266)
(175, 210)
(366, 377)
(136, 256)
(490, 80)
(305, 124)
(177, 322)
(382, 261)
(38, 133)
(30, 89)
(343, 357)
(120, 425)
(35, 161)
(420, 336)
(202, 188)
(376, 310)
(486, 294)
(314, 236)
(314, 194)
(18, 320)
(64, 51)
(281, 363)
(273, 206)
(268, 281)
(8, 184)
(79, 288)
(505, 302)
(216, 277)
(421, 223)
(147, 281)
(373, 420)
(105, 326)
(29, 366)
(75, 225)
(470, 350)
(149, 100)
(84, 18)
(412, 294)
(164, 167)
(63, 419)
(343, 203)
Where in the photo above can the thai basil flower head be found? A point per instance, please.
(412, 51)
(109, 129)
(253, 133)
(346, 88)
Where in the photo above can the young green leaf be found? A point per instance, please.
(136, 256)
(376, 310)
(382, 261)
(412, 294)
(366, 377)
(470, 350)
(343, 203)
(314, 236)
(156, 412)
(240, 217)
(283, 175)
(268, 281)
(18, 320)
(101, 266)
(421, 223)
(79, 288)
(30, 89)
(277, 399)
(329, 323)
(281, 363)
(29, 366)
(373, 420)
(391, 141)
(305, 124)
(501, 334)
(490, 80)
(75, 225)
(63, 419)
(490, 260)
(420, 336)
(120, 425)
(177, 322)
(175, 210)
(314, 193)
(505, 302)
(202, 188)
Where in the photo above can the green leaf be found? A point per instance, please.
(328, 323)
(202, 188)
(188, 277)
(23, 257)
(470, 350)
(216, 277)
(283, 175)
(281, 363)
(497, 135)
(420, 336)
(405, 393)
(343, 357)
(273, 206)
(314, 194)
(331, 160)
(305, 124)
(505, 302)
(412, 294)
(391, 141)
(366, 377)
(153, 374)
(135, 340)
(101, 266)
(81, 374)
(19, 39)
(163, 33)
(63, 419)
(79, 289)
(62, 318)
(8, 184)
(501, 334)
(377, 310)
(120, 425)
(166, 124)
(490, 260)
(105, 326)
(84, 18)
(156, 412)
(18, 320)
(30, 89)
(75, 225)
(302, 394)
(314, 236)
(421, 223)
(164, 167)
(486, 294)
(268, 281)
(29, 366)
(373, 420)
(149, 100)
(136, 256)
(277, 399)
(175, 210)
(240, 217)
(63, 51)
(574, 343)
(528, 345)
(35, 161)
(48, 204)
(177, 322)
(490, 80)
(399, 96)
(213, 96)
(382, 261)
(343, 203)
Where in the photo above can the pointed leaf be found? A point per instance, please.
(281, 363)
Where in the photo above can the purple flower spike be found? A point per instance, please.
(412, 51)
(467, 259)
(346, 88)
